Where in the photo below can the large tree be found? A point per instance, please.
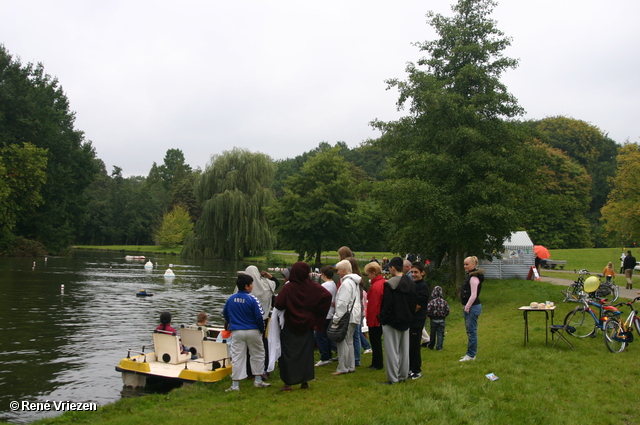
(457, 168)
(313, 214)
(34, 109)
(233, 190)
(555, 208)
(591, 148)
(620, 214)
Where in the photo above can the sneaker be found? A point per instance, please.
(369, 351)
(261, 384)
(228, 390)
(323, 363)
(467, 358)
(416, 375)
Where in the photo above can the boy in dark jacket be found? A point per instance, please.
(437, 310)
(396, 315)
(419, 319)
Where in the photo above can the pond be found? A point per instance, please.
(64, 347)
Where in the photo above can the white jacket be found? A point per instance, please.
(348, 292)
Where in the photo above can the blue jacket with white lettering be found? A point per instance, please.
(243, 311)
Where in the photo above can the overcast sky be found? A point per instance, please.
(280, 77)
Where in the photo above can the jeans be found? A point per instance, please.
(364, 342)
(356, 343)
(471, 323)
(437, 333)
(324, 344)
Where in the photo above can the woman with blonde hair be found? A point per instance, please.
(470, 298)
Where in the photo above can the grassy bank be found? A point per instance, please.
(537, 384)
(133, 249)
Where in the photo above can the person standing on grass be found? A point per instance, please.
(243, 313)
(347, 299)
(629, 264)
(374, 297)
(608, 272)
(419, 319)
(324, 344)
(305, 304)
(396, 315)
(437, 310)
(470, 298)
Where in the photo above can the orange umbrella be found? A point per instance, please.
(541, 252)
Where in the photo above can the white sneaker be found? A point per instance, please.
(261, 384)
(467, 358)
(230, 389)
(323, 363)
(369, 351)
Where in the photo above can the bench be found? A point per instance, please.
(552, 264)
(168, 348)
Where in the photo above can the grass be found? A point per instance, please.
(537, 384)
(133, 249)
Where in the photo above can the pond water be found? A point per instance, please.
(64, 347)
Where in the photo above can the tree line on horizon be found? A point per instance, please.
(456, 175)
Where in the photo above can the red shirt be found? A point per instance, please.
(374, 297)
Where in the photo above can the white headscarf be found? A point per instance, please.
(263, 289)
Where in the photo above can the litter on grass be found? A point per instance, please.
(492, 377)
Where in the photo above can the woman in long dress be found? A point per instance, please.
(305, 304)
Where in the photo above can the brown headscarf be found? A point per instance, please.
(305, 302)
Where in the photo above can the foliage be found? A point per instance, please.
(22, 174)
(233, 190)
(176, 226)
(592, 149)
(457, 170)
(313, 214)
(554, 210)
(620, 214)
(34, 109)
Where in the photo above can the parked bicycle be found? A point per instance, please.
(618, 335)
(605, 289)
(584, 322)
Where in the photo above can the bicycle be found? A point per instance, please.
(618, 335)
(583, 322)
(574, 291)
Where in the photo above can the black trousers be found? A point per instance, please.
(415, 357)
(375, 339)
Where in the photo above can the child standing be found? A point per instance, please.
(324, 344)
(608, 272)
(437, 310)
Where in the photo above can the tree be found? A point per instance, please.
(592, 149)
(176, 226)
(620, 213)
(555, 209)
(22, 175)
(233, 190)
(457, 170)
(313, 214)
(34, 109)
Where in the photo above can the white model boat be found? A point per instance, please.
(210, 363)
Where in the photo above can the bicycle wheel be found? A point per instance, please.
(581, 321)
(615, 291)
(613, 338)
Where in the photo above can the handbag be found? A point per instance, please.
(338, 332)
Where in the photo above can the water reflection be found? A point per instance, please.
(64, 347)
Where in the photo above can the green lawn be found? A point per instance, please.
(537, 384)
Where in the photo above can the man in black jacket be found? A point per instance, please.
(629, 264)
(396, 315)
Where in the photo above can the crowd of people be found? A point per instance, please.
(265, 327)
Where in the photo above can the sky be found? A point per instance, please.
(281, 76)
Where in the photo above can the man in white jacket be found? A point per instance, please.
(347, 299)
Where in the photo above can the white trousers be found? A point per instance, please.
(243, 339)
(346, 355)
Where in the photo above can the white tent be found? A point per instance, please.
(516, 260)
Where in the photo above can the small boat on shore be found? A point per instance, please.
(143, 293)
(211, 363)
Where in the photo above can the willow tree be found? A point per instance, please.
(233, 190)
(457, 168)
